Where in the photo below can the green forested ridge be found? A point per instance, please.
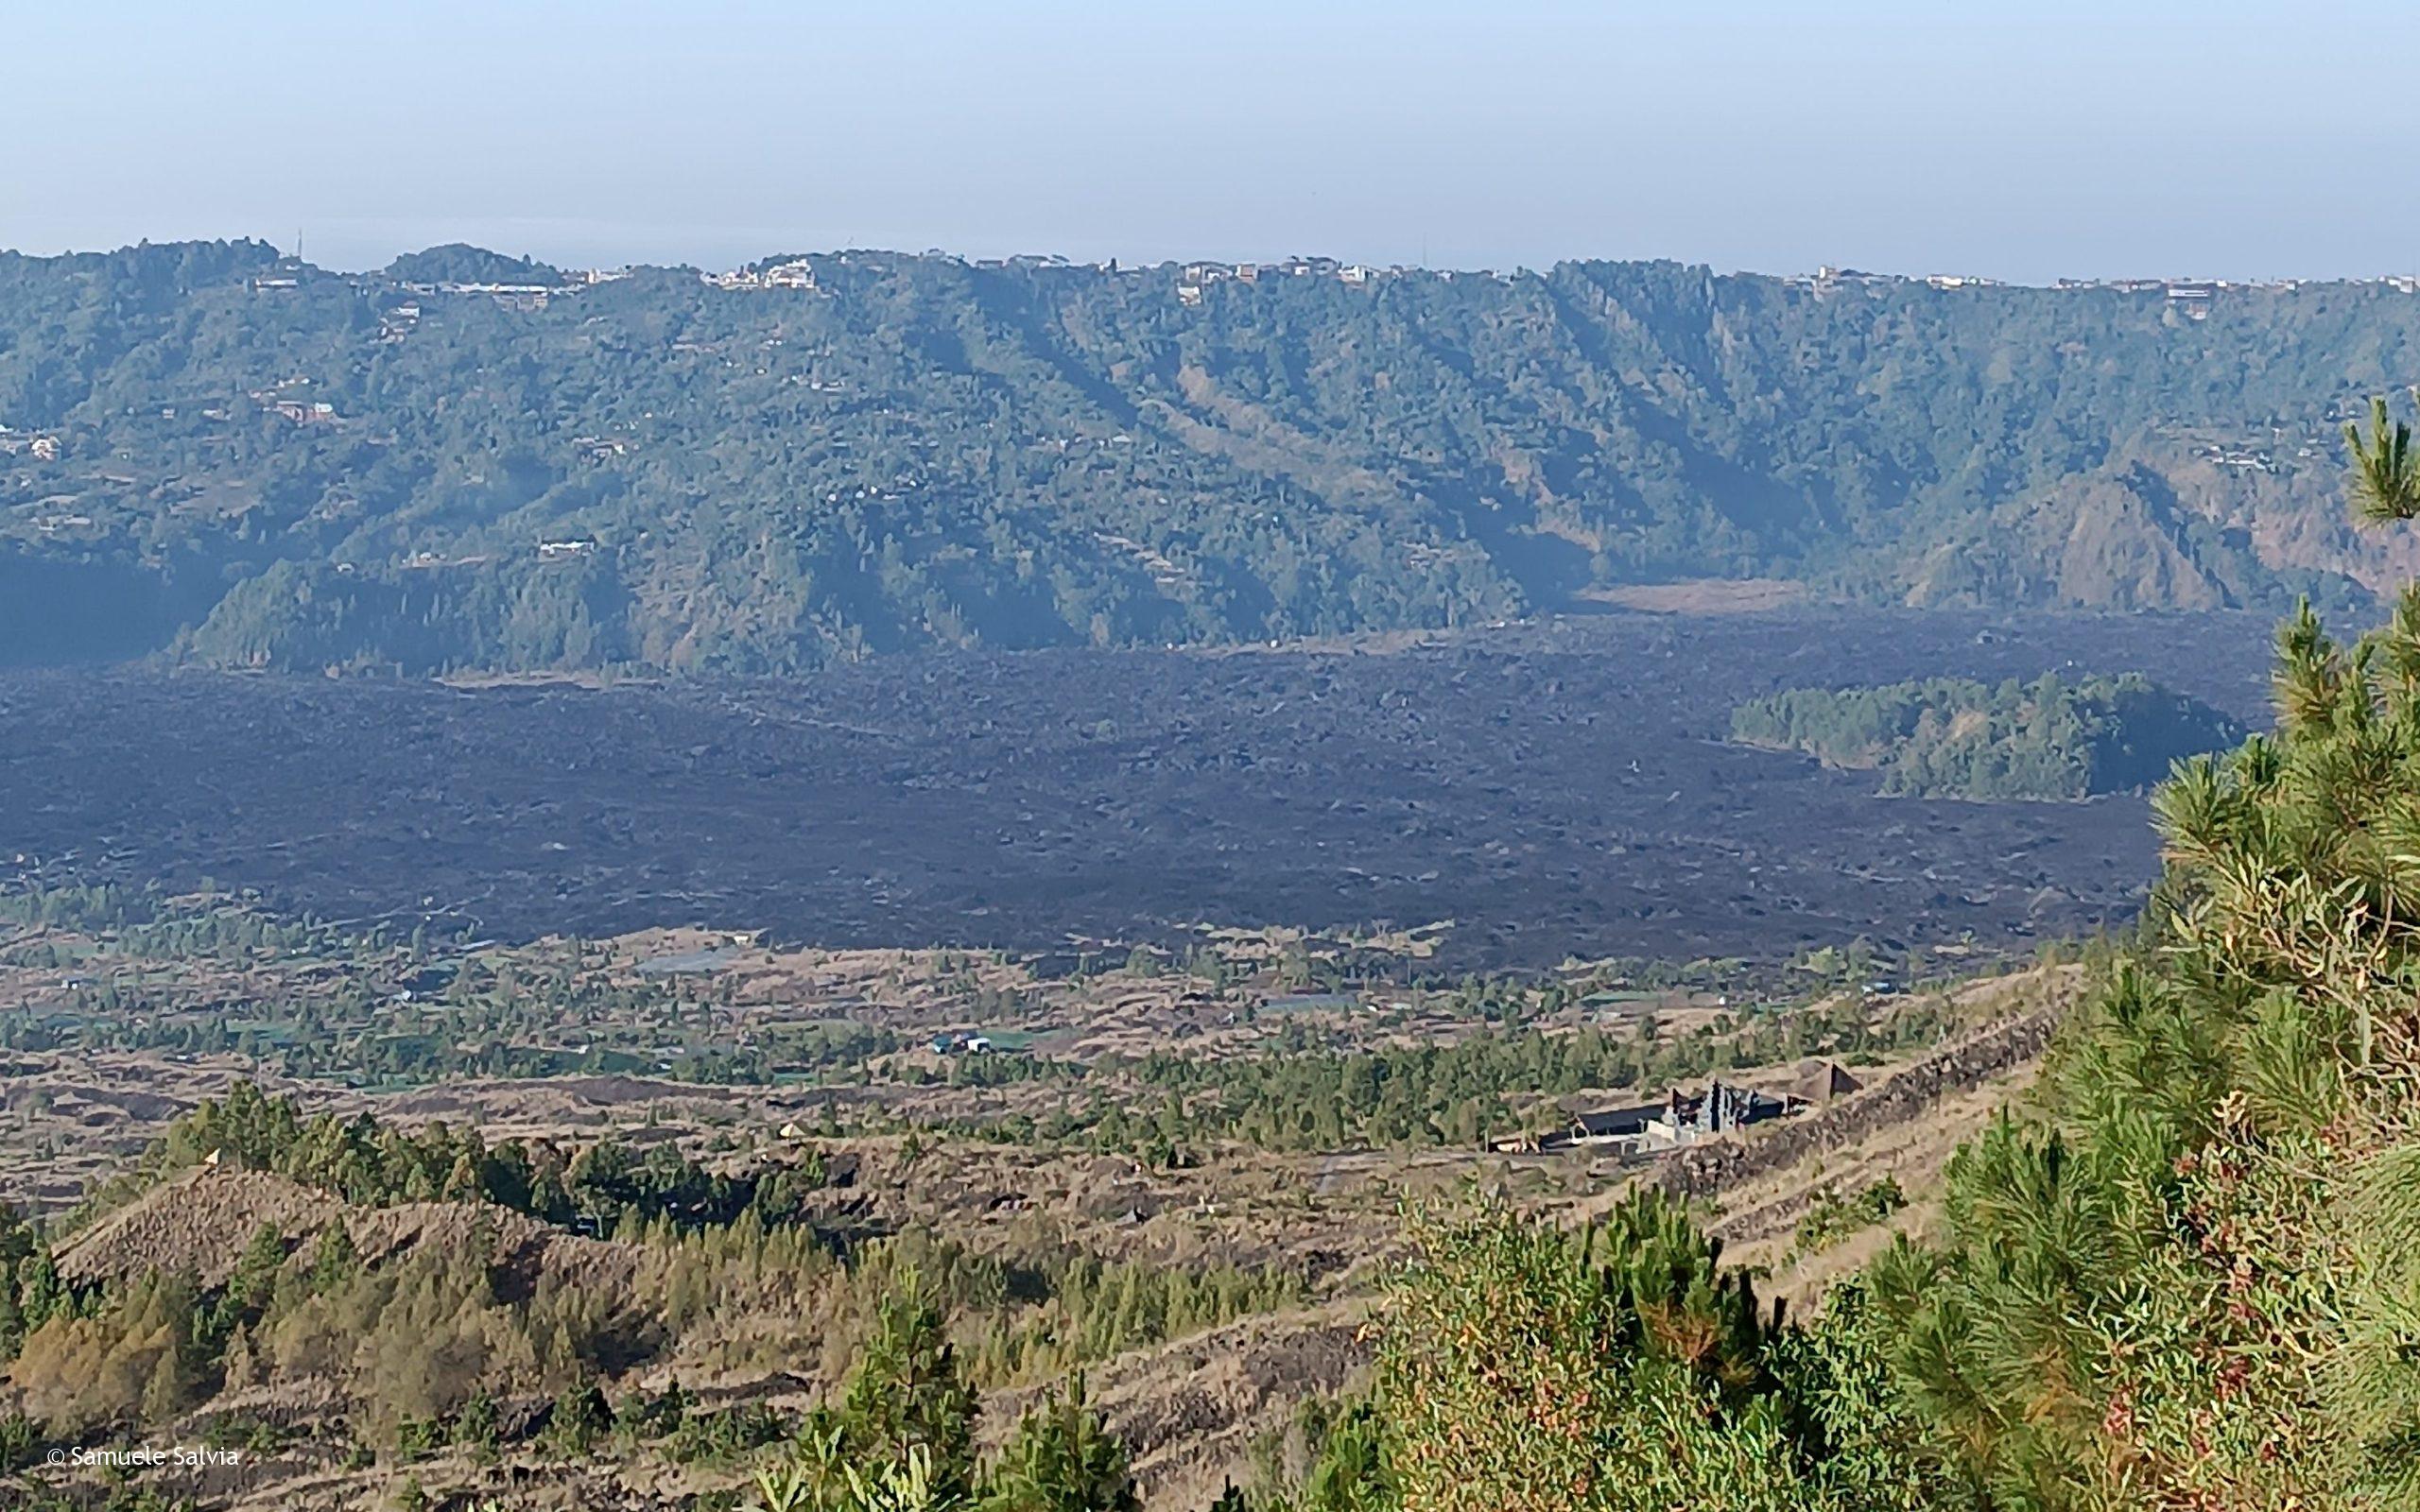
(267, 464)
(1953, 737)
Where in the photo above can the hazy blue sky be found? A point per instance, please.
(2023, 141)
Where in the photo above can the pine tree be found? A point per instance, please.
(2200, 1286)
(1061, 1460)
(253, 1283)
(334, 1261)
(907, 1394)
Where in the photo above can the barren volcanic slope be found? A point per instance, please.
(1554, 789)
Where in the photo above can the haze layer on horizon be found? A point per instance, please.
(2018, 142)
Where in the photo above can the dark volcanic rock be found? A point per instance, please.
(1556, 789)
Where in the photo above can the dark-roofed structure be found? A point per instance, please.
(1820, 1081)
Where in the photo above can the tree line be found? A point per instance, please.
(2054, 738)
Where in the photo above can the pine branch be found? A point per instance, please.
(2386, 476)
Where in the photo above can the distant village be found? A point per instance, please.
(1192, 281)
(2191, 298)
